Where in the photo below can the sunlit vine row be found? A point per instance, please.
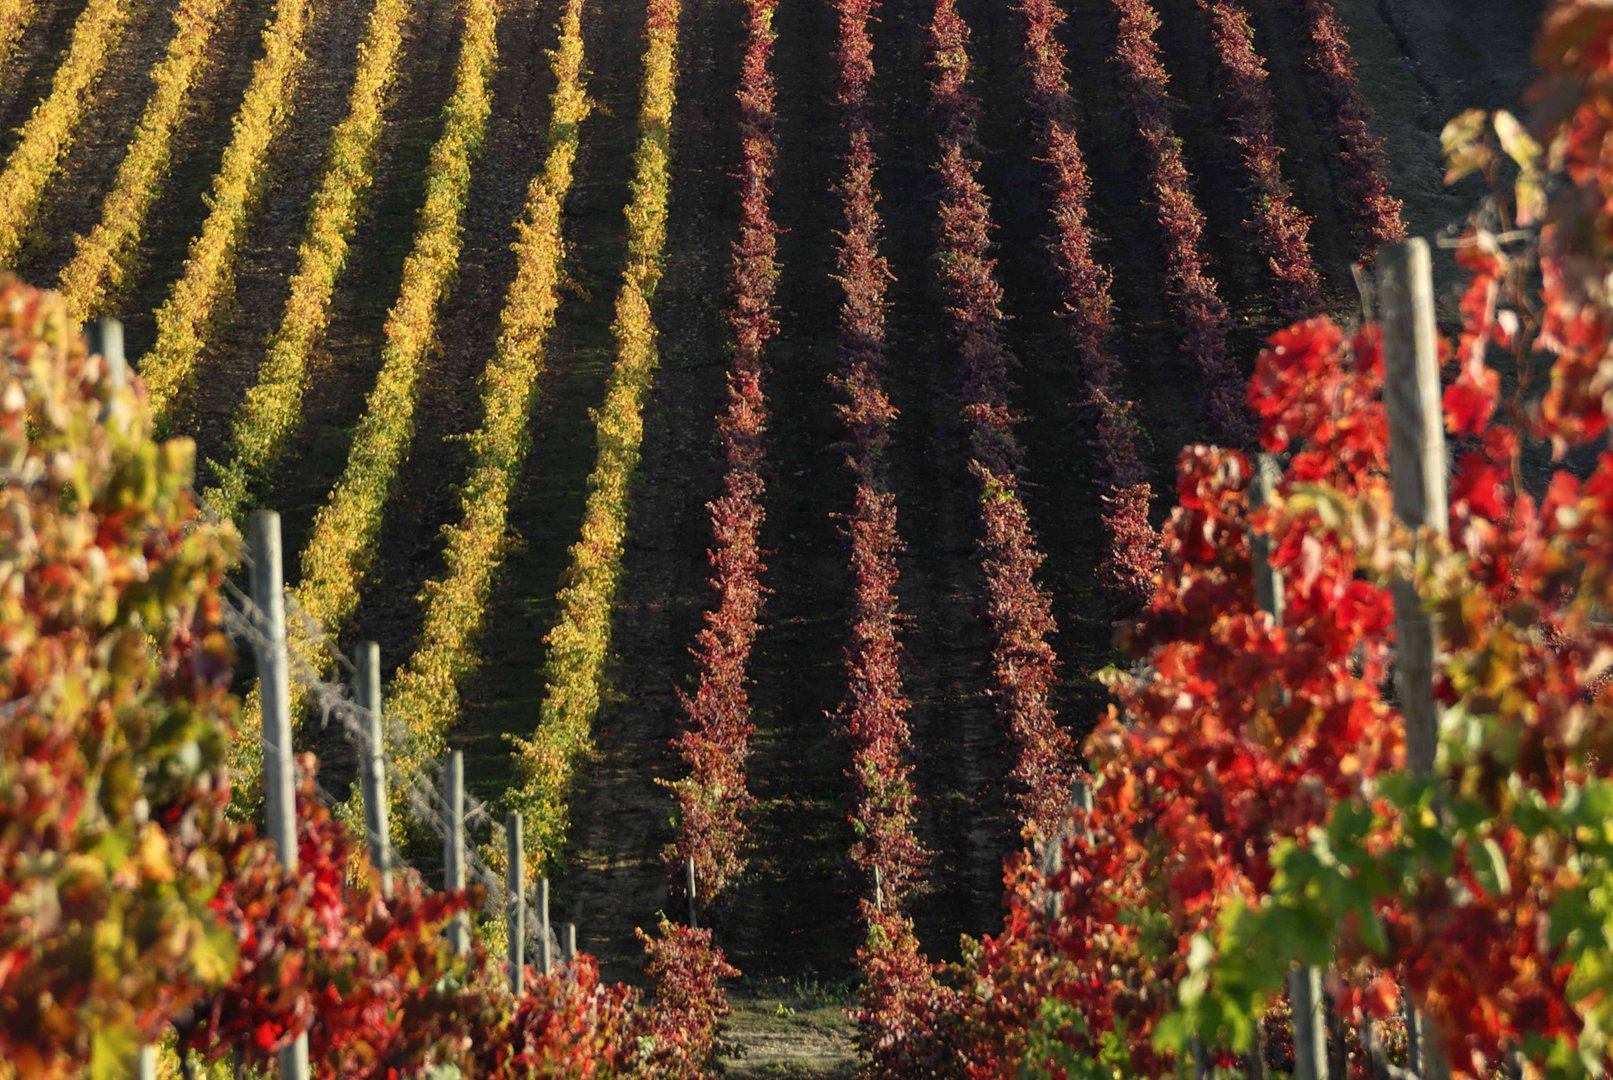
(1193, 292)
(713, 798)
(340, 550)
(101, 261)
(578, 645)
(1018, 608)
(425, 696)
(1088, 308)
(48, 134)
(186, 319)
(1283, 228)
(1376, 211)
(273, 407)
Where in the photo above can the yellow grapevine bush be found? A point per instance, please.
(272, 410)
(339, 552)
(49, 131)
(580, 642)
(14, 18)
(101, 263)
(185, 320)
(425, 697)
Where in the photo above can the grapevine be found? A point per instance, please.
(48, 134)
(272, 409)
(713, 801)
(577, 646)
(100, 265)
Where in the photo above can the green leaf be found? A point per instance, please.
(114, 1052)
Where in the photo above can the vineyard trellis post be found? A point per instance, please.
(1416, 470)
(517, 902)
(1304, 983)
(568, 945)
(1413, 401)
(367, 684)
(454, 846)
(688, 866)
(274, 676)
(106, 338)
(545, 950)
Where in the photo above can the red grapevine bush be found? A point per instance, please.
(114, 676)
(713, 799)
(1017, 607)
(1198, 301)
(1253, 806)
(896, 977)
(1283, 228)
(1088, 308)
(1377, 213)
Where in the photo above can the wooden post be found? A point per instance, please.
(516, 883)
(106, 338)
(1414, 1034)
(1412, 398)
(146, 1066)
(545, 948)
(879, 889)
(688, 866)
(453, 856)
(1304, 985)
(1268, 582)
(373, 772)
(568, 943)
(1310, 1031)
(1083, 800)
(274, 681)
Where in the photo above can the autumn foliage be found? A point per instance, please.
(713, 800)
(1195, 294)
(1088, 309)
(1254, 807)
(1017, 607)
(1361, 157)
(134, 905)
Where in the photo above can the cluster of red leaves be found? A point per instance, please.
(564, 1024)
(687, 972)
(1576, 52)
(1234, 709)
(713, 798)
(323, 952)
(1018, 609)
(1084, 283)
(1377, 212)
(1283, 228)
(1198, 302)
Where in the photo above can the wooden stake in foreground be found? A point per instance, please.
(373, 773)
(454, 846)
(274, 677)
(1417, 479)
(517, 902)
